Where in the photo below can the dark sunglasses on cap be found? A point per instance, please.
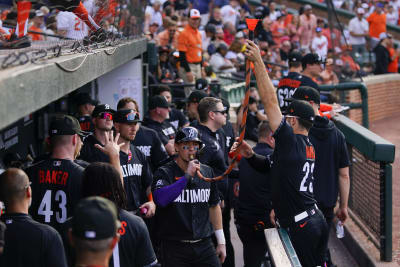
(132, 116)
(105, 116)
(223, 112)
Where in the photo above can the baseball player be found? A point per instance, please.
(56, 181)
(293, 162)
(146, 139)
(134, 165)
(69, 25)
(188, 208)
(27, 242)
(85, 105)
(331, 172)
(294, 79)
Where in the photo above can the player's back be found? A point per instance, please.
(73, 26)
(56, 189)
(29, 243)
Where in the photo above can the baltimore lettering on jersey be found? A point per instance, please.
(146, 150)
(193, 196)
(131, 169)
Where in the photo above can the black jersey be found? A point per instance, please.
(331, 155)
(56, 189)
(137, 177)
(147, 141)
(187, 217)
(165, 130)
(134, 248)
(90, 153)
(229, 135)
(288, 84)
(293, 164)
(29, 243)
(86, 123)
(177, 118)
(254, 203)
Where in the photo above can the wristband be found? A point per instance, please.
(219, 234)
(150, 197)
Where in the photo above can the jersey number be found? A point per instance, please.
(45, 206)
(308, 169)
(284, 93)
(77, 24)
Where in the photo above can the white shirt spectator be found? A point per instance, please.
(320, 46)
(273, 15)
(50, 38)
(217, 61)
(205, 41)
(229, 14)
(392, 18)
(358, 27)
(155, 16)
(73, 26)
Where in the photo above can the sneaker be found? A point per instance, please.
(96, 37)
(15, 43)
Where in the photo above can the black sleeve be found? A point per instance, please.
(214, 192)
(184, 63)
(158, 152)
(259, 163)
(145, 253)
(55, 254)
(344, 160)
(147, 176)
(284, 137)
(182, 119)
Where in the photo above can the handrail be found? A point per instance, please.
(352, 86)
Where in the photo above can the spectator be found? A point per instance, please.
(51, 28)
(216, 18)
(230, 12)
(37, 21)
(207, 36)
(319, 44)
(358, 28)
(190, 52)
(27, 242)
(151, 34)
(377, 24)
(168, 37)
(392, 15)
(284, 51)
(192, 103)
(394, 58)
(265, 34)
(219, 62)
(229, 33)
(382, 54)
(85, 105)
(349, 66)
(293, 31)
(308, 23)
(273, 13)
(165, 71)
(328, 76)
(203, 6)
(153, 15)
(278, 29)
(262, 10)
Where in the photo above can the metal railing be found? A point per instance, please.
(370, 199)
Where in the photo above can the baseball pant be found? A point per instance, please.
(179, 254)
(310, 239)
(329, 215)
(226, 219)
(254, 245)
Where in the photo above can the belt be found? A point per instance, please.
(191, 241)
(305, 214)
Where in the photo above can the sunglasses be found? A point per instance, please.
(223, 112)
(106, 116)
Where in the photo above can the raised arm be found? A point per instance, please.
(265, 87)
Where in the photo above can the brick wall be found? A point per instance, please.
(383, 97)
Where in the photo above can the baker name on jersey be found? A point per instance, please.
(132, 169)
(145, 149)
(193, 196)
(53, 177)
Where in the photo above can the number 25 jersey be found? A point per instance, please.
(56, 189)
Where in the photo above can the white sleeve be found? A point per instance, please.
(351, 25)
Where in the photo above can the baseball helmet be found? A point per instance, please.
(188, 134)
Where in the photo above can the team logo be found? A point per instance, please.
(192, 133)
(107, 106)
(57, 163)
(159, 182)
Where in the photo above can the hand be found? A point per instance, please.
(253, 107)
(342, 214)
(253, 52)
(272, 217)
(221, 252)
(192, 168)
(111, 147)
(245, 148)
(151, 209)
(190, 77)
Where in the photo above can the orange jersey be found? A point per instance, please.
(189, 41)
(393, 65)
(377, 24)
(36, 36)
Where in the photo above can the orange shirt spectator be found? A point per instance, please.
(164, 39)
(279, 30)
(393, 66)
(36, 36)
(189, 41)
(377, 24)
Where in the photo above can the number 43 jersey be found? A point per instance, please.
(292, 174)
(56, 189)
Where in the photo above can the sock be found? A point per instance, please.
(23, 9)
(81, 12)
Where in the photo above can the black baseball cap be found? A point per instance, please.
(196, 96)
(201, 84)
(301, 109)
(84, 98)
(158, 101)
(65, 125)
(102, 108)
(187, 134)
(126, 116)
(95, 218)
(306, 93)
(295, 56)
(311, 58)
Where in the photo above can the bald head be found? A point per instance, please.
(13, 184)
